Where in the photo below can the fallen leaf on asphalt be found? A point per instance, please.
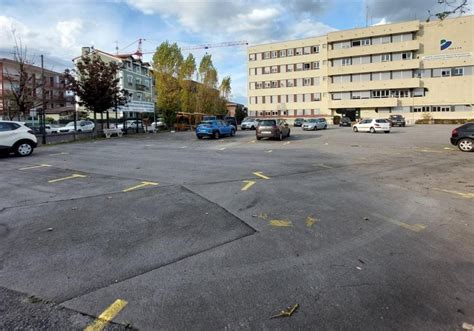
(286, 313)
(467, 326)
(366, 218)
(358, 268)
(361, 261)
(50, 229)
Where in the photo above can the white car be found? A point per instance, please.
(372, 125)
(160, 123)
(249, 124)
(131, 124)
(82, 126)
(315, 124)
(16, 137)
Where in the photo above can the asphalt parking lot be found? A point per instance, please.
(362, 231)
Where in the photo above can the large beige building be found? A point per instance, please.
(414, 68)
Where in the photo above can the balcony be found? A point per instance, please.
(376, 85)
(374, 67)
(396, 47)
(364, 103)
(141, 87)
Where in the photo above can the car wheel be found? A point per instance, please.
(288, 133)
(372, 130)
(355, 129)
(466, 145)
(232, 133)
(23, 148)
(79, 130)
(325, 127)
(252, 128)
(199, 137)
(259, 138)
(315, 128)
(216, 135)
(281, 136)
(403, 125)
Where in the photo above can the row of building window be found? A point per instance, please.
(138, 81)
(286, 98)
(299, 82)
(401, 74)
(336, 45)
(379, 40)
(285, 53)
(375, 94)
(366, 59)
(137, 68)
(285, 68)
(287, 112)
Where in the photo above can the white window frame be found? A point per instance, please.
(274, 54)
(290, 52)
(283, 53)
(408, 56)
(346, 61)
(445, 72)
(289, 68)
(458, 72)
(386, 57)
(306, 81)
(299, 51)
(315, 49)
(315, 65)
(365, 42)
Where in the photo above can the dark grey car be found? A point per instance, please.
(272, 128)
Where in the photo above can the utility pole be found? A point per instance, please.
(43, 103)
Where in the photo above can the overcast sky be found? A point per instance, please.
(58, 29)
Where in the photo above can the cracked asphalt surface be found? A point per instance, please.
(362, 231)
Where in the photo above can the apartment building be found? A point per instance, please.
(57, 102)
(135, 77)
(414, 68)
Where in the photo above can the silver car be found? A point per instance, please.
(315, 124)
(249, 124)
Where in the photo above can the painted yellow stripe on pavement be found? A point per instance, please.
(287, 143)
(143, 184)
(36, 166)
(73, 176)
(62, 153)
(101, 322)
(259, 174)
(249, 184)
(280, 223)
(461, 194)
(415, 227)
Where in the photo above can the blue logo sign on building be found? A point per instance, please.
(445, 44)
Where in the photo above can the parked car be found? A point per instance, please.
(396, 120)
(16, 137)
(51, 128)
(345, 121)
(463, 137)
(214, 129)
(272, 128)
(232, 121)
(315, 124)
(82, 126)
(372, 125)
(298, 122)
(132, 124)
(159, 124)
(249, 123)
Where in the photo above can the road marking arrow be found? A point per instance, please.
(249, 184)
(143, 184)
(34, 167)
(73, 176)
(259, 174)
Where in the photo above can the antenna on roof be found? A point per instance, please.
(367, 15)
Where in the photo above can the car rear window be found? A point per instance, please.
(380, 121)
(267, 123)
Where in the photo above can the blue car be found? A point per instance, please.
(214, 129)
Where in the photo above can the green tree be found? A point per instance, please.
(225, 88)
(96, 83)
(167, 62)
(187, 95)
(450, 7)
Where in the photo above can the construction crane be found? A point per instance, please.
(139, 52)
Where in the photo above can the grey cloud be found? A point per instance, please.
(402, 10)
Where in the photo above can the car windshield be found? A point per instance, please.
(381, 121)
(207, 123)
(267, 122)
(313, 120)
(72, 124)
(396, 116)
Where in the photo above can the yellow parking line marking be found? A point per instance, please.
(415, 227)
(101, 322)
(143, 184)
(449, 148)
(429, 151)
(62, 153)
(461, 194)
(323, 166)
(65, 178)
(249, 184)
(36, 166)
(269, 151)
(281, 223)
(310, 221)
(259, 174)
(223, 148)
(287, 143)
(252, 141)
